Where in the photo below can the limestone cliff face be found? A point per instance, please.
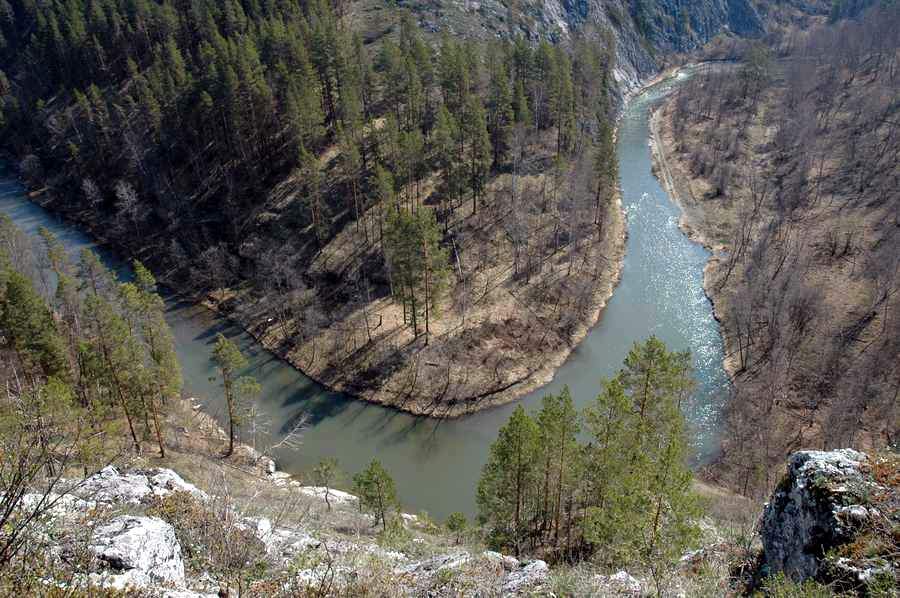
(825, 520)
(645, 31)
(683, 25)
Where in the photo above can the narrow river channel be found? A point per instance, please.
(436, 464)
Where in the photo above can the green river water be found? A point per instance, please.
(436, 464)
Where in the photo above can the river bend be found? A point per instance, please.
(436, 464)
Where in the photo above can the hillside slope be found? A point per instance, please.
(789, 171)
(254, 155)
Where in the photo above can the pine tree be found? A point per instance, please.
(475, 132)
(325, 473)
(506, 491)
(612, 475)
(391, 65)
(301, 103)
(112, 343)
(229, 360)
(385, 193)
(500, 109)
(435, 270)
(443, 141)
(418, 265)
(559, 456)
(413, 146)
(563, 102)
(324, 54)
(376, 491)
(625, 496)
(311, 175)
(164, 368)
(351, 166)
(29, 329)
(606, 171)
(456, 524)
(454, 75)
(641, 482)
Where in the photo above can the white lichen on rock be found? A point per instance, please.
(820, 506)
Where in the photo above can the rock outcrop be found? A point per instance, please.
(825, 503)
(109, 486)
(642, 32)
(530, 575)
(620, 583)
(139, 551)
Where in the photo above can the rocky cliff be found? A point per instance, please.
(835, 519)
(645, 32)
(150, 532)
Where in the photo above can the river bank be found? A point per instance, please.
(437, 462)
(803, 275)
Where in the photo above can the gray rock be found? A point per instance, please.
(130, 580)
(166, 481)
(509, 563)
(442, 562)
(109, 486)
(140, 547)
(281, 541)
(817, 507)
(335, 497)
(620, 583)
(526, 578)
(55, 505)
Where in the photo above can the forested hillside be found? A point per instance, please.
(789, 166)
(414, 204)
(352, 203)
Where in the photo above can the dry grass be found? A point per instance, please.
(499, 334)
(828, 243)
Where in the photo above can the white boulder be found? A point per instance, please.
(335, 497)
(509, 563)
(110, 486)
(139, 547)
(620, 583)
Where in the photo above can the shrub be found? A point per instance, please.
(211, 538)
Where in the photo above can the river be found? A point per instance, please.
(436, 464)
